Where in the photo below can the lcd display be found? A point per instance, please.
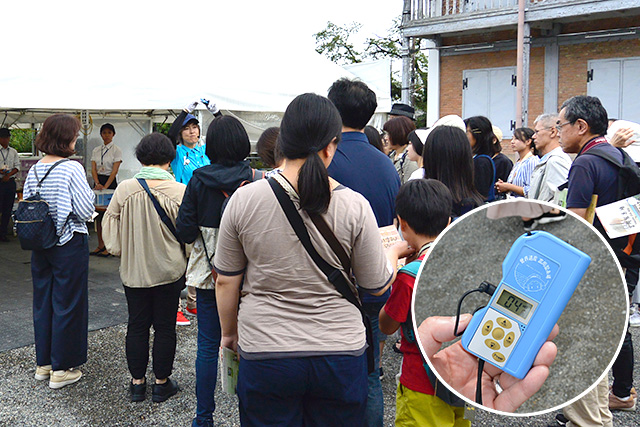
(514, 304)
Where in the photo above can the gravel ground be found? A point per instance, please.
(100, 397)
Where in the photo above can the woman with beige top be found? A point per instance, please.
(152, 264)
(301, 344)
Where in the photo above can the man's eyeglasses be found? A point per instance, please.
(560, 125)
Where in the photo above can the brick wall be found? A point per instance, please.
(574, 59)
(572, 73)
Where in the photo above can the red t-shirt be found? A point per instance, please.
(413, 375)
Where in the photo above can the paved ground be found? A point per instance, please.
(100, 398)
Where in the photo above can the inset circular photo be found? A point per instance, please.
(517, 316)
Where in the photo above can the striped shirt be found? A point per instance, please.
(67, 192)
(521, 173)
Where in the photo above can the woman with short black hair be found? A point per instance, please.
(60, 274)
(152, 263)
(198, 222)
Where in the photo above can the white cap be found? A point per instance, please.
(450, 120)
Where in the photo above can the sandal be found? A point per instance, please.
(103, 254)
(396, 347)
(97, 251)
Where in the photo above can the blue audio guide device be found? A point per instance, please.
(539, 275)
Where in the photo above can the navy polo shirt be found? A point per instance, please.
(591, 174)
(366, 170)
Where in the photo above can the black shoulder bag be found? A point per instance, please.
(163, 215)
(335, 276)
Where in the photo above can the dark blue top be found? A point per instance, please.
(593, 175)
(366, 170)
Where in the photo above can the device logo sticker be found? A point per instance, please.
(534, 272)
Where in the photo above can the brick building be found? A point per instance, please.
(569, 47)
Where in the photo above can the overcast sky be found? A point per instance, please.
(65, 31)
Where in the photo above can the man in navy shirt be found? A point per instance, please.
(366, 170)
(582, 125)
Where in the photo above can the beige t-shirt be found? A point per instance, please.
(288, 307)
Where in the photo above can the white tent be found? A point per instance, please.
(257, 90)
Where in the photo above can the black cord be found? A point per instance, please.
(489, 289)
(485, 287)
(479, 382)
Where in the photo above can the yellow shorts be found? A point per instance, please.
(423, 410)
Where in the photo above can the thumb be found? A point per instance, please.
(436, 330)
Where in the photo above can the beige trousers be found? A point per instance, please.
(592, 410)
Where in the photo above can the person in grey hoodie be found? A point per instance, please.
(198, 221)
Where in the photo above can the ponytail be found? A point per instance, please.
(313, 185)
(309, 124)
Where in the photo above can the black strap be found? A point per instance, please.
(332, 240)
(334, 275)
(163, 215)
(35, 171)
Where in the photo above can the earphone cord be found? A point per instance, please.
(489, 289)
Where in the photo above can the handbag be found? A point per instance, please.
(335, 276)
(163, 215)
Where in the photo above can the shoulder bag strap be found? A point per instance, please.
(35, 171)
(332, 240)
(334, 275)
(163, 215)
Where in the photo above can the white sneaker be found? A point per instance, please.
(634, 316)
(43, 372)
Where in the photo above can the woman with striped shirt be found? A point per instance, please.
(517, 184)
(60, 274)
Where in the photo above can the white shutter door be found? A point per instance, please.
(502, 99)
(630, 108)
(605, 84)
(475, 96)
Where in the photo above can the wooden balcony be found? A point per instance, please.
(425, 18)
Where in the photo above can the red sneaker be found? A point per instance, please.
(181, 320)
(191, 311)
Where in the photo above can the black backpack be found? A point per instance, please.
(626, 248)
(35, 227)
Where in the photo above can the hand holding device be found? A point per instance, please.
(458, 367)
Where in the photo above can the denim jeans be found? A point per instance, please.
(375, 402)
(207, 356)
(310, 391)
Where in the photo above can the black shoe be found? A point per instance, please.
(162, 392)
(138, 392)
(548, 217)
(381, 373)
(561, 420)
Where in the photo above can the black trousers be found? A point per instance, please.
(61, 303)
(7, 197)
(622, 368)
(156, 306)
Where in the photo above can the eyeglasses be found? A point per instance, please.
(560, 125)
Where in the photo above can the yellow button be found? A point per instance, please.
(508, 340)
(487, 327)
(498, 333)
(504, 322)
(493, 345)
(498, 357)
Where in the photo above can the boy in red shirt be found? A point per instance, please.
(423, 208)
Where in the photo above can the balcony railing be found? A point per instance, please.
(425, 9)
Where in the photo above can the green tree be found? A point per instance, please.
(335, 43)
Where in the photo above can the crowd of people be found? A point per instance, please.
(290, 272)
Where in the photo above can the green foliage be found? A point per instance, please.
(334, 43)
(162, 128)
(22, 140)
